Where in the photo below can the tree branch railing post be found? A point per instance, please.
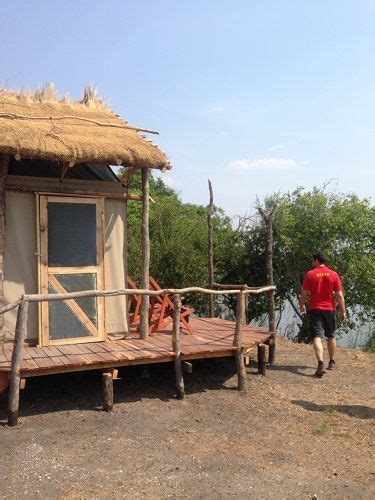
(237, 341)
(145, 240)
(180, 388)
(268, 222)
(15, 377)
(210, 251)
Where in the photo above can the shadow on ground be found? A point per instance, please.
(83, 390)
(292, 369)
(356, 411)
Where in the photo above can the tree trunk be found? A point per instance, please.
(210, 252)
(268, 219)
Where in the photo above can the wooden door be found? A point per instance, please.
(71, 260)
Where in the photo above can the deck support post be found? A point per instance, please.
(145, 269)
(262, 360)
(107, 379)
(176, 347)
(237, 342)
(15, 377)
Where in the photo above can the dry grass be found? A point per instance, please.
(47, 93)
(39, 125)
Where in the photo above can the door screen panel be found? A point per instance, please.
(72, 234)
(64, 324)
(76, 283)
(71, 260)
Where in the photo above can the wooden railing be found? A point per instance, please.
(20, 332)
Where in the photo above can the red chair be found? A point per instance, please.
(161, 309)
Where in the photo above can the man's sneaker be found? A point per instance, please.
(320, 370)
(331, 365)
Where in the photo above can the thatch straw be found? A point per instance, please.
(37, 125)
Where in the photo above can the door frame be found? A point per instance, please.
(42, 200)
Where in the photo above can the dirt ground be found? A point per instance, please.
(290, 436)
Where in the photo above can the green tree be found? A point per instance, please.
(340, 225)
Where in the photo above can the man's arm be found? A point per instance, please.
(341, 302)
(302, 301)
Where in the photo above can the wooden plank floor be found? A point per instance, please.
(212, 338)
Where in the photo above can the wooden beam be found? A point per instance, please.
(4, 164)
(77, 192)
(15, 377)
(145, 240)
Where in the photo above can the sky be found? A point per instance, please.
(260, 96)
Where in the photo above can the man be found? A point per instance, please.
(324, 288)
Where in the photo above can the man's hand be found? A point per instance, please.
(342, 316)
(302, 301)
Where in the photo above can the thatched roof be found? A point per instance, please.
(39, 126)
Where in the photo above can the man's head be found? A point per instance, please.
(318, 259)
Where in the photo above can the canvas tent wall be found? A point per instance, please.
(21, 244)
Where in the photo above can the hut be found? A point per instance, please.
(63, 212)
(63, 252)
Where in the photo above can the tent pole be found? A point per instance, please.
(4, 164)
(145, 267)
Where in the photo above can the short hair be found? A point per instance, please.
(319, 256)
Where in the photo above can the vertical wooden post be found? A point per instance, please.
(210, 251)
(107, 379)
(145, 270)
(4, 164)
(268, 218)
(237, 342)
(15, 377)
(176, 347)
(262, 360)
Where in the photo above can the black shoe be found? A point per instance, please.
(331, 365)
(320, 370)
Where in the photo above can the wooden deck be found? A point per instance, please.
(211, 338)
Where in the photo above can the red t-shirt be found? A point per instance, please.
(321, 282)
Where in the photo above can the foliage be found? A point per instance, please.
(342, 226)
(178, 240)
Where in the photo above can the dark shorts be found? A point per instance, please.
(322, 322)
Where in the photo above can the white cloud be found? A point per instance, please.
(263, 164)
(217, 109)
